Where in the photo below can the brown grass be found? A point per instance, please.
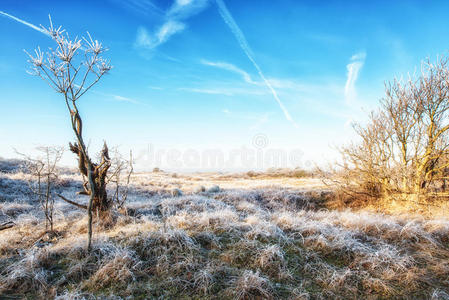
(244, 242)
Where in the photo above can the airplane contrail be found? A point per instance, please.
(25, 23)
(116, 97)
(229, 20)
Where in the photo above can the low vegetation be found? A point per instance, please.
(251, 239)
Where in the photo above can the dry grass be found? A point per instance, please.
(254, 238)
(251, 285)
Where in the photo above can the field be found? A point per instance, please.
(218, 236)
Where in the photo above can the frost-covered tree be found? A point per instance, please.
(72, 69)
(404, 147)
(44, 171)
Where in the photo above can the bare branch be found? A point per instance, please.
(6, 225)
(72, 202)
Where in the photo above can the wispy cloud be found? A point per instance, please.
(356, 63)
(225, 92)
(230, 67)
(162, 34)
(229, 20)
(258, 119)
(277, 83)
(325, 38)
(118, 98)
(173, 23)
(145, 7)
(124, 99)
(183, 9)
(41, 30)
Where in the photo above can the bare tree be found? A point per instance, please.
(72, 69)
(120, 167)
(403, 148)
(44, 170)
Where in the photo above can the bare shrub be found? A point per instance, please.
(120, 167)
(402, 150)
(45, 173)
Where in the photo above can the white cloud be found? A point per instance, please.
(226, 90)
(258, 119)
(230, 67)
(180, 10)
(162, 34)
(285, 84)
(208, 91)
(143, 38)
(183, 2)
(124, 99)
(356, 63)
(183, 9)
(117, 98)
(359, 56)
(168, 29)
(145, 7)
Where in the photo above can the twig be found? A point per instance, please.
(7, 225)
(131, 170)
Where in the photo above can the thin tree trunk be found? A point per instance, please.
(96, 174)
(89, 206)
(47, 216)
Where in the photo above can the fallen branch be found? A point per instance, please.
(72, 202)
(7, 225)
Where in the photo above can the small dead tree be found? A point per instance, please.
(119, 168)
(72, 69)
(44, 170)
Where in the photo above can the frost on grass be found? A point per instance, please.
(255, 238)
(251, 285)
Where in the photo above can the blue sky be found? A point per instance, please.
(196, 75)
